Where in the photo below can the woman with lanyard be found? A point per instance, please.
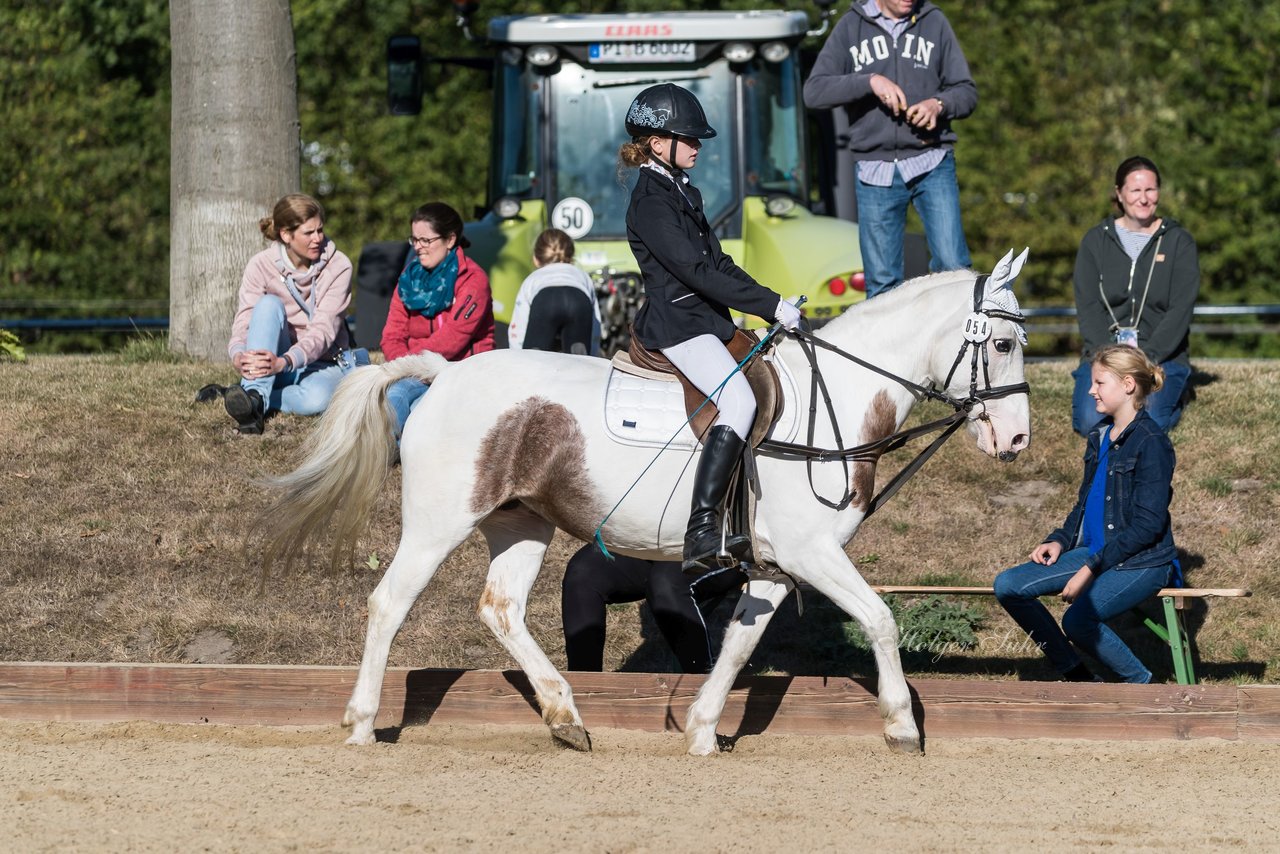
(690, 286)
(1137, 277)
(290, 330)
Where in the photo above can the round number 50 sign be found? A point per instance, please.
(573, 216)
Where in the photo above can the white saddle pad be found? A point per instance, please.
(648, 413)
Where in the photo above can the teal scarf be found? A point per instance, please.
(429, 291)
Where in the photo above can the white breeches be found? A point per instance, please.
(706, 362)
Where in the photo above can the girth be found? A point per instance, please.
(760, 373)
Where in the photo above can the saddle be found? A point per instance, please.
(760, 373)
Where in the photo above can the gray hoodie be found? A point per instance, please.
(926, 62)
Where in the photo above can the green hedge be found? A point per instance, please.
(1067, 90)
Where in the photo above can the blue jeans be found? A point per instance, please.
(1084, 623)
(404, 396)
(1164, 407)
(882, 220)
(305, 392)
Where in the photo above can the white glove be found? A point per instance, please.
(788, 315)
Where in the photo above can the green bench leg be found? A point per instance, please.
(1174, 633)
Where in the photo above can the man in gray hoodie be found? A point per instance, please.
(896, 69)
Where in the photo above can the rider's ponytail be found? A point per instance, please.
(631, 155)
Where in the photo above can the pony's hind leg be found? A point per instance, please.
(751, 615)
(836, 578)
(414, 565)
(518, 540)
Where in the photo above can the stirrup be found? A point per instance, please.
(734, 550)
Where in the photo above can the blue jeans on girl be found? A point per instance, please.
(1084, 623)
(305, 392)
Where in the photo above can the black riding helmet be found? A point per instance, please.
(667, 110)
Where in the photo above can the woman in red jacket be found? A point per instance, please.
(441, 303)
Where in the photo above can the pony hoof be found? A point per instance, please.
(701, 746)
(361, 740)
(909, 746)
(572, 735)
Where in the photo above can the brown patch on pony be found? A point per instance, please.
(880, 420)
(497, 605)
(535, 454)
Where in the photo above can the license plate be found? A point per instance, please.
(602, 52)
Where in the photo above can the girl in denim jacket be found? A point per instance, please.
(1115, 549)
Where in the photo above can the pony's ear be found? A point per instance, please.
(1006, 271)
(1017, 263)
(1000, 272)
(999, 291)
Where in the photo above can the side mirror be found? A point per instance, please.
(404, 75)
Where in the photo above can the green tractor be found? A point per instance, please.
(562, 85)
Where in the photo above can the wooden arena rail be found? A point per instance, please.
(278, 695)
(1173, 632)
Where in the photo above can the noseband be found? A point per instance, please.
(976, 332)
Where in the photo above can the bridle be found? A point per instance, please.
(976, 332)
(977, 329)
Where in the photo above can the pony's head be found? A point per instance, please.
(981, 362)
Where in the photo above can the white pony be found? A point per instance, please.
(513, 443)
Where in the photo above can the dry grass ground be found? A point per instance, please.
(124, 511)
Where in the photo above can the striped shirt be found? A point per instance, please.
(1132, 241)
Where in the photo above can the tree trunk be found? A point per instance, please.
(235, 151)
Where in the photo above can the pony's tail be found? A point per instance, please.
(350, 453)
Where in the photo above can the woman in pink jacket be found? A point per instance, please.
(289, 335)
(442, 303)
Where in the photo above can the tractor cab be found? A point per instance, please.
(562, 86)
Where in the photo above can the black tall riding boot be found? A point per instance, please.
(720, 456)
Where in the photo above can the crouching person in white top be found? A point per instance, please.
(556, 308)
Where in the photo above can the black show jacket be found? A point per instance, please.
(690, 283)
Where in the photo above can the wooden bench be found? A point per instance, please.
(1173, 632)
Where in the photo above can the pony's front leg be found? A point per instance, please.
(758, 604)
(518, 541)
(833, 575)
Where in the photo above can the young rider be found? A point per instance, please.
(690, 286)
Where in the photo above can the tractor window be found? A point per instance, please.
(774, 148)
(588, 110)
(517, 105)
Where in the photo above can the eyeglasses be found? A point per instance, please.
(423, 242)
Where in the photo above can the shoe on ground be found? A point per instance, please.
(1081, 673)
(211, 392)
(246, 408)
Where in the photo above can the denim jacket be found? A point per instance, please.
(1139, 488)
